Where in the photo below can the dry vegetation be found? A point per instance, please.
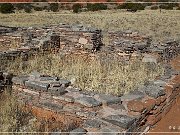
(106, 74)
(12, 117)
(150, 22)
(16, 119)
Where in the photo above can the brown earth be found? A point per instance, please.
(170, 124)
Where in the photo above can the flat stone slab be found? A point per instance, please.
(20, 80)
(160, 83)
(57, 90)
(72, 109)
(87, 114)
(107, 99)
(123, 121)
(51, 106)
(37, 85)
(88, 101)
(132, 96)
(64, 98)
(78, 131)
(92, 124)
(48, 78)
(154, 91)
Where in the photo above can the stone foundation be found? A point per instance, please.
(55, 98)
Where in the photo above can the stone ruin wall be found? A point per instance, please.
(136, 111)
(133, 44)
(91, 111)
(26, 42)
(77, 38)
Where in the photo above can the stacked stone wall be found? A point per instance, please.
(133, 112)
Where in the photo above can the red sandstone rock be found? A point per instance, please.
(152, 119)
(136, 106)
(158, 101)
(149, 104)
(168, 91)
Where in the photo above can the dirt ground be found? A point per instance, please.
(170, 124)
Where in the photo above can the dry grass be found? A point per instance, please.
(151, 22)
(12, 117)
(16, 120)
(106, 74)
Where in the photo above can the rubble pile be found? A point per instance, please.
(129, 41)
(132, 44)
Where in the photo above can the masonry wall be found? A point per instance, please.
(132, 112)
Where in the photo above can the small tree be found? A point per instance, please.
(54, 7)
(7, 8)
(76, 8)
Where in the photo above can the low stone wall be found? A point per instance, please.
(132, 43)
(26, 42)
(133, 112)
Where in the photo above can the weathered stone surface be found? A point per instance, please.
(88, 101)
(64, 98)
(154, 91)
(86, 114)
(131, 96)
(107, 99)
(20, 80)
(48, 78)
(78, 131)
(37, 85)
(120, 120)
(83, 41)
(57, 90)
(160, 83)
(119, 107)
(149, 104)
(92, 123)
(72, 109)
(51, 106)
(64, 83)
(136, 106)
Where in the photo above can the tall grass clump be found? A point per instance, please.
(105, 74)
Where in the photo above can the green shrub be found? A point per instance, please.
(19, 6)
(154, 7)
(7, 8)
(27, 10)
(132, 6)
(38, 8)
(168, 6)
(54, 7)
(76, 8)
(96, 7)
